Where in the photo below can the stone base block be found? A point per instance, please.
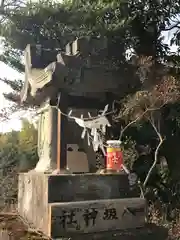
(59, 205)
(33, 200)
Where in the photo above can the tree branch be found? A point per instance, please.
(176, 25)
(161, 140)
(138, 118)
(131, 123)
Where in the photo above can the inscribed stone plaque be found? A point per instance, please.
(97, 216)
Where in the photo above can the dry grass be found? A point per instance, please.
(18, 228)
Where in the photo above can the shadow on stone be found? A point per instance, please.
(149, 232)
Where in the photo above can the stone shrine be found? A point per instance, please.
(64, 195)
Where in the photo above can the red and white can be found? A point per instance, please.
(114, 159)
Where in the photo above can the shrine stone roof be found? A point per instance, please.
(82, 69)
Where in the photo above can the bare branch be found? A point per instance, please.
(176, 25)
(131, 123)
(161, 140)
(138, 118)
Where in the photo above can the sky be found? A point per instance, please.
(6, 71)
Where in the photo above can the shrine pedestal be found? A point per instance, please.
(73, 204)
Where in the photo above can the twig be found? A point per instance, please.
(176, 25)
(131, 123)
(142, 195)
(138, 118)
(134, 121)
(161, 140)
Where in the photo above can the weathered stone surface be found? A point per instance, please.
(41, 194)
(72, 187)
(77, 187)
(75, 70)
(48, 143)
(85, 46)
(33, 200)
(37, 57)
(96, 216)
(148, 232)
